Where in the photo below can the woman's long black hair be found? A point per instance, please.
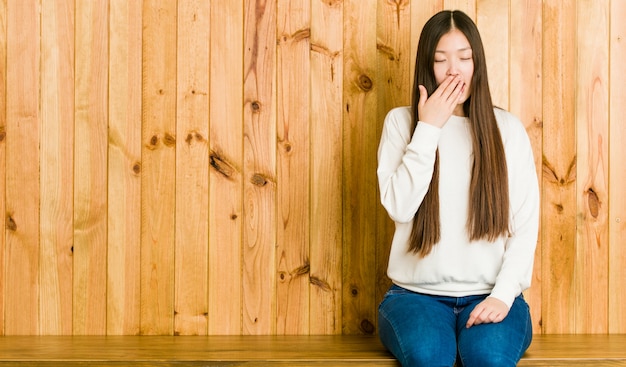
(488, 216)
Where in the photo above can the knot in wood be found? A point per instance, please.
(593, 202)
(332, 3)
(258, 180)
(221, 165)
(3, 134)
(320, 283)
(365, 83)
(301, 270)
(137, 168)
(193, 135)
(10, 223)
(256, 106)
(559, 207)
(154, 141)
(367, 327)
(169, 140)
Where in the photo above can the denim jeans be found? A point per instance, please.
(425, 330)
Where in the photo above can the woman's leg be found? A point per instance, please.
(499, 344)
(418, 329)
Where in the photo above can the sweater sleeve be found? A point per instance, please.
(516, 272)
(405, 164)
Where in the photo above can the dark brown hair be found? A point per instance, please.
(488, 216)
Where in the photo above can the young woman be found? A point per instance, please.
(458, 178)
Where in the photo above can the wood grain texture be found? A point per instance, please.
(57, 167)
(192, 169)
(158, 169)
(212, 164)
(492, 20)
(293, 166)
(3, 156)
(259, 170)
(360, 300)
(558, 216)
(23, 126)
(467, 6)
(617, 177)
(326, 166)
(90, 168)
(546, 350)
(525, 101)
(420, 13)
(124, 169)
(592, 101)
(226, 160)
(393, 23)
(198, 351)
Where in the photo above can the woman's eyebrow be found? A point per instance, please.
(459, 50)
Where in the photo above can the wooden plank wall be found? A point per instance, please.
(199, 167)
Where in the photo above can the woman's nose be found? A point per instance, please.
(453, 70)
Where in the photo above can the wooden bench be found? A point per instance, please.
(327, 351)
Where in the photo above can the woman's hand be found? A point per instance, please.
(491, 310)
(437, 109)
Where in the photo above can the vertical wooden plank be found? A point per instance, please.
(525, 101)
(192, 169)
(326, 166)
(3, 156)
(22, 167)
(394, 64)
(592, 87)
(394, 58)
(293, 111)
(90, 171)
(492, 21)
(158, 184)
(124, 168)
(57, 167)
(558, 216)
(420, 13)
(259, 222)
(467, 6)
(359, 305)
(616, 198)
(225, 181)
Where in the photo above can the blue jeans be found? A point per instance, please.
(425, 330)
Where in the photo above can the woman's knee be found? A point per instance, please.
(486, 359)
(428, 357)
(413, 348)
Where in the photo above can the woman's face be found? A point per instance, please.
(453, 56)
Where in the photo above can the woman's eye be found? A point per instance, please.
(466, 58)
(440, 60)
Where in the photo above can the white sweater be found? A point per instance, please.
(456, 267)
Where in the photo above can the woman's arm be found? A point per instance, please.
(405, 163)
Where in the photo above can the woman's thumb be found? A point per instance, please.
(423, 95)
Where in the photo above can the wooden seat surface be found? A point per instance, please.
(546, 350)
